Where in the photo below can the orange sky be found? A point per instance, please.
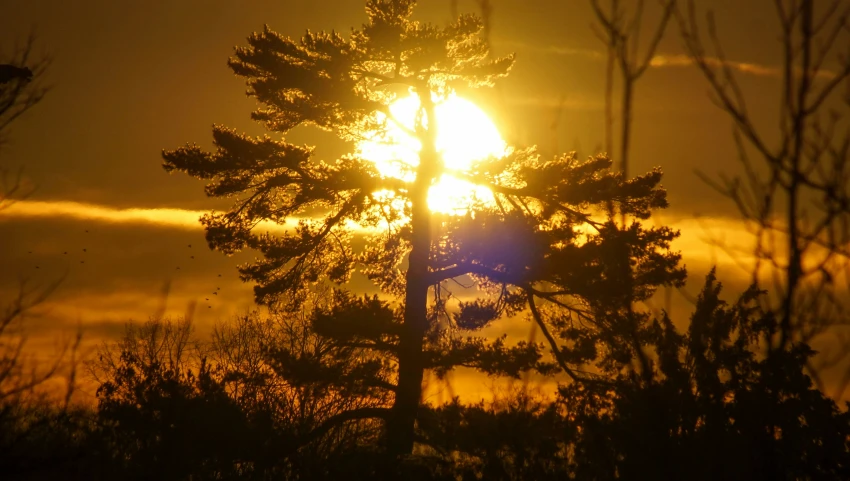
(131, 78)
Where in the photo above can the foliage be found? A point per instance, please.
(163, 419)
(717, 407)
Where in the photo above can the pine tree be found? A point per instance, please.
(539, 238)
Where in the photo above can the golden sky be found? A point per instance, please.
(131, 78)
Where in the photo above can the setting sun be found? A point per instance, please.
(465, 134)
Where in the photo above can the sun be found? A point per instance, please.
(465, 134)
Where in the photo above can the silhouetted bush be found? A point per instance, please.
(256, 403)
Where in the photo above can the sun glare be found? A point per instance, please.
(465, 134)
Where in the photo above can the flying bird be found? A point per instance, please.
(191, 257)
(13, 72)
(219, 275)
(85, 250)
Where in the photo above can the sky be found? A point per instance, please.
(131, 78)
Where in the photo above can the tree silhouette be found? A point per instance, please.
(20, 86)
(541, 243)
(717, 409)
(37, 433)
(794, 188)
(293, 381)
(163, 411)
(17, 95)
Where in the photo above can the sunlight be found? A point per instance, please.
(465, 134)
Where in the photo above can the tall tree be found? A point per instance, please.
(540, 236)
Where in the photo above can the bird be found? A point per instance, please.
(87, 231)
(190, 246)
(178, 267)
(209, 307)
(66, 252)
(12, 72)
(191, 257)
(82, 262)
(207, 298)
(37, 267)
(219, 275)
(215, 293)
(85, 250)
(218, 288)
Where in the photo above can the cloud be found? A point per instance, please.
(664, 60)
(661, 61)
(166, 217)
(695, 232)
(680, 60)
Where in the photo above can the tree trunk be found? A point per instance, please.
(400, 428)
(410, 366)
